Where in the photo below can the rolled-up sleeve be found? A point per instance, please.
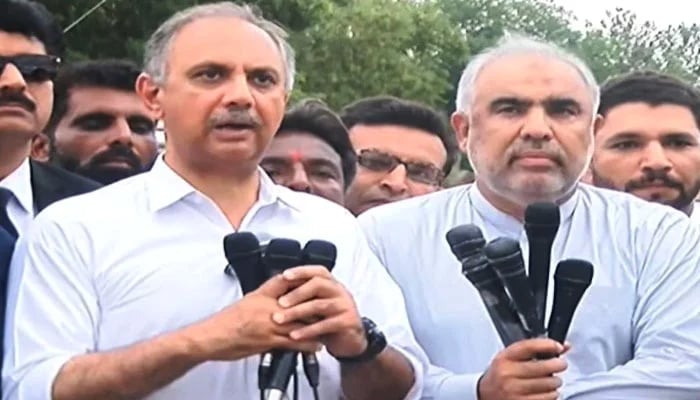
(52, 308)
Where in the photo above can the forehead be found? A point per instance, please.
(15, 43)
(304, 145)
(85, 100)
(533, 77)
(647, 120)
(225, 40)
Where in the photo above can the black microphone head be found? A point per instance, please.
(319, 252)
(465, 240)
(242, 251)
(281, 254)
(502, 253)
(575, 272)
(542, 219)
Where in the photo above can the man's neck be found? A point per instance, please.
(688, 210)
(12, 155)
(233, 191)
(514, 209)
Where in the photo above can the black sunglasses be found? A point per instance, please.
(35, 68)
(379, 161)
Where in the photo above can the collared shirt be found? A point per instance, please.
(21, 206)
(636, 332)
(144, 256)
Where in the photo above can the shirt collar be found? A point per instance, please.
(507, 221)
(165, 188)
(19, 182)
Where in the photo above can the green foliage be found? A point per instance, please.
(416, 49)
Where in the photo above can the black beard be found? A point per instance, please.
(96, 171)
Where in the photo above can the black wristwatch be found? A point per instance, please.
(376, 343)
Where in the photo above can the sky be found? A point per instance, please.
(662, 12)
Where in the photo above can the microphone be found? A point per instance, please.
(541, 225)
(505, 258)
(571, 279)
(467, 242)
(316, 252)
(243, 254)
(280, 255)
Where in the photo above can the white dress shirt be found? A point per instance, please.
(21, 206)
(636, 332)
(695, 214)
(145, 256)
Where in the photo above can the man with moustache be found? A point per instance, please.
(525, 115)
(99, 127)
(648, 143)
(31, 45)
(133, 302)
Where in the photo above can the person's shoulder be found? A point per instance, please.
(69, 181)
(426, 206)
(312, 205)
(96, 205)
(638, 213)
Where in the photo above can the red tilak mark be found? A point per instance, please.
(296, 156)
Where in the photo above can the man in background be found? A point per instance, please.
(311, 152)
(648, 142)
(404, 149)
(99, 128)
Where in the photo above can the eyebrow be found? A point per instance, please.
(222, 66)
(562, 102)
(509, 101)
(286, 160)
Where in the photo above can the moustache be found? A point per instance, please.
(236, 118)
(653, 177)
(523, 150)
(16, 99)
(117, 153)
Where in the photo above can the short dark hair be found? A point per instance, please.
(390, 110)
(108, 74)
(33, 20)
(316, 118)
(649, 87)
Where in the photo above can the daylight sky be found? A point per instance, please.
(663, 12)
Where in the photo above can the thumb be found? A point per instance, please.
(274, 287)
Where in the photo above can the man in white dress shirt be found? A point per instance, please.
(525, 116)
(123, 293)
(648, 143)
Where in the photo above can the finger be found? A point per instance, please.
(326, 326)
(273, 287)
(315, 288)
(324, 308)
(567, 347)
(541, 368)
(307, 272)
(525, 350)
(538, 386)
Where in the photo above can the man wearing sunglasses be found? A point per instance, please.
(404, 149)
(30, 49)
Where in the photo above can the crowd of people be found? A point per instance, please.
(111, 262)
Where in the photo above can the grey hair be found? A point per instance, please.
(159, 44)
(514, 44)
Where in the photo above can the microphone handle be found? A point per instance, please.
(507, 324)
(283, 369)
(539, 261)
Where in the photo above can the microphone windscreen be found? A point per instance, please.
(319, 252)
(502, 247)
(574, 271)
(465, 240)
(242, 251)
(542, 219)
(281, 254)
